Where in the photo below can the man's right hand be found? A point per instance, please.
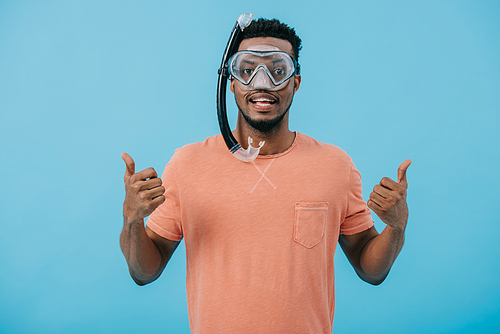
(144, 191)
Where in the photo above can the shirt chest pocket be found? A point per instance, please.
(310, 222)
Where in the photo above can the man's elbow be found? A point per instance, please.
(373, 279)
(141, 281)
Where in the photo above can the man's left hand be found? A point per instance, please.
(388, 199)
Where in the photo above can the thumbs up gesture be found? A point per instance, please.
(388, 199)
(144, 191)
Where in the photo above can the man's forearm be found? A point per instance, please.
(142, 255)
(379, 254)
(388, 201)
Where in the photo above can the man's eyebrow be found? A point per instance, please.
(248, 62)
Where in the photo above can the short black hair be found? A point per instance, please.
(272, 28)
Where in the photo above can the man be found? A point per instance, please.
(260, 236)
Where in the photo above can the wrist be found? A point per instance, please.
(396, 228)
(131, 220)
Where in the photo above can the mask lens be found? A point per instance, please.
(278, 65)
(245, 67)
(280, 68)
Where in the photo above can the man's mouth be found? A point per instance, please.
(260, 101)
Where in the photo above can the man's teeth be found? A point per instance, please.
(267, 101)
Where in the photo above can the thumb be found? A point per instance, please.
(130, 165)
(402, 173)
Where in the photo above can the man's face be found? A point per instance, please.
(264, 110)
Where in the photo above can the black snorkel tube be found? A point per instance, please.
(234, 147)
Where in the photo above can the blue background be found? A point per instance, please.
(83, 81)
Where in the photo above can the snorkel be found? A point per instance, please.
(234, 147)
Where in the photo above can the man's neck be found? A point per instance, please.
(277, 141)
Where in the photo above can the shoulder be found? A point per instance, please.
(198, 158)
(320, 150)
(195, 151)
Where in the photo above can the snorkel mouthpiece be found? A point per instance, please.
(234, 147)
(250, 153)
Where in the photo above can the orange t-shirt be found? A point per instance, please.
(260, 236)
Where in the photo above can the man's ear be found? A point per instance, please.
(231, 85)
(296, 80)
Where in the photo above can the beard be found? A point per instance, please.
(264, 126)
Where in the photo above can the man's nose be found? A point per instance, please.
(261, 80)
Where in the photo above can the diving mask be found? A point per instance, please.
(262, 70)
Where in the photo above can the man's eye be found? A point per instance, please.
(246, 71)
(279, 71)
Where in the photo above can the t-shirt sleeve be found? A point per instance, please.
(358, 216)
(166, 219)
